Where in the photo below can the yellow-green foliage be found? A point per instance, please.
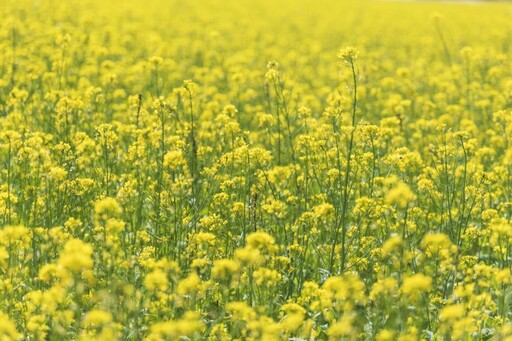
(256, 170)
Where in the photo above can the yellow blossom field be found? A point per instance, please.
(255, 170)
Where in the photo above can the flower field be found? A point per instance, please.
(255, 170)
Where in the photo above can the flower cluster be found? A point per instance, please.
(218, 170)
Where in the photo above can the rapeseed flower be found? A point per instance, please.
(76, 256)
(415, 285)
(8, 328)
(204, 179)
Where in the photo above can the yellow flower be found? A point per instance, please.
(57, 173)
(189, 326)
(384, 288)
(452, 312)
(199, 263)
(225, 269)
(348, 55)
(241, 311)
(267, 277)
(205, 237)
(174, 160)
(294, 317)
(248, 256)
(400, 195)
(97, 318)
(106, 208)
(414, 285)
(261, 241)
(385, 335)
(155, 60)
(341, 329)
(8, 328)
(503, 276)
(49, 271)
(156, 280)
(323, 210)
(391, 245)
(435, 242)
(189, 285)
(4, 256)
(346, 288)
(14, 235)
(76, 255)
(453, 319)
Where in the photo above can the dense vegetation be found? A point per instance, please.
(267, 170)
